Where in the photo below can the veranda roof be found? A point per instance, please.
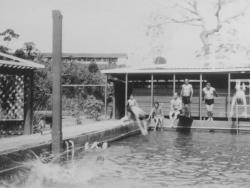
(175, 69)
(18, 63)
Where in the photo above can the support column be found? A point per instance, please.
(114, 105)
(28, 103)
(228, 95)
(126, 93)
(200, 103)
(105, 96)
(152, 90)
(56, 94)
(174, 78)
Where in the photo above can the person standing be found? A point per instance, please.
(187, 94)
(175, 108)
(208, 93)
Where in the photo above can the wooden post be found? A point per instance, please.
(114, 105)
(126, 93)
(105, 96)
(152, 90)
(200, 104)
(228, 95)
(174, 78)
(56, 94)
(28, 102)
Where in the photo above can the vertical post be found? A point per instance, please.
(105, 96)
(126, 93)
(152, 89)
(56, 94)
(28, 102)
(228, 95)
(114, 105)
(174, 78)
(200, 103)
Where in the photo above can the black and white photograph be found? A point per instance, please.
(124, 93)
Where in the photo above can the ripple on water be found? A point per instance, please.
(162, 159)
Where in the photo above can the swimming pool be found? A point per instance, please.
(161, 159)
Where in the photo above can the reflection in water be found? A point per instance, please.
(162, 159)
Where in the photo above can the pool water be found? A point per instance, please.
(161, 159)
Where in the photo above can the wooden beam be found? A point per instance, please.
(56, 90)
(228, 95)
(152, 90)
(126, 93)
(174, 80)
(200, 101)
(28, 103)
(83, 85)
(105, 95)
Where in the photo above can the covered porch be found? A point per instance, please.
(159, 83)
(16, 95)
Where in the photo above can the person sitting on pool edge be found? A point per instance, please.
(138, 113)
(175, 108)
(187, 94)
(157, 115)
(208, 94)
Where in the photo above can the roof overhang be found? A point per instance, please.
(175, 70)
(18, 63)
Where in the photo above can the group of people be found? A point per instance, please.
(181, 105)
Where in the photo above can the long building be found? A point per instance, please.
(85, 58)
(159, 82)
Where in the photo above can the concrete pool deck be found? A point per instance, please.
(102, 130)
(95, 131)
(203, 125)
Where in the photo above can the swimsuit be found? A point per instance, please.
(186, 92)
(209, 95)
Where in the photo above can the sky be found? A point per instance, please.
(102, 26)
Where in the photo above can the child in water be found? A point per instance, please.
(138, 114)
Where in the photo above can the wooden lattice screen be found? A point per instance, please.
(11, 97)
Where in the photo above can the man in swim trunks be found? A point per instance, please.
(175, 108)
(187, 94)
(208, 93)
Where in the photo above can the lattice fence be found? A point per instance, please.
(11, 97)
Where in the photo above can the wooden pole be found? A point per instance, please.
(174, 78)
(105, 95)
(200, 104)
(126, 93)
(114, 105)
(152, 90)
(228, 95)
(56, 94)
(28, 102)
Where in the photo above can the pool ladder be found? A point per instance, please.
(237, 116)
(70, 149)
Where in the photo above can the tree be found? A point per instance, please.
(160, 60)
(7, 37)
(30, 50)
(188, 13)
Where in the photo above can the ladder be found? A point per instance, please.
(237, 116)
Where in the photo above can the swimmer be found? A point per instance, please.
(175, 108)
(187, 94)
(239, 98)
(138, 114)
(99, 145)
(208, 94)
(157, 115)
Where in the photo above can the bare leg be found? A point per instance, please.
(208, 112)
(245, 106)
(232, 106)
